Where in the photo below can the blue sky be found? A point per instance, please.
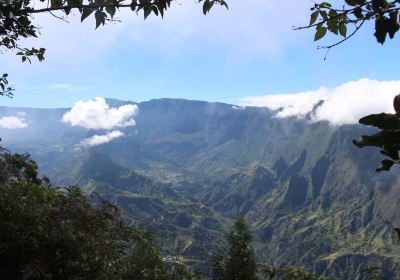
(249, 50)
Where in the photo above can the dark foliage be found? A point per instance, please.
(351, 15)
(388, 138)
(52, 233)
(240, 263)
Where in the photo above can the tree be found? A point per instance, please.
(240, 263)
(52, 233)
(47, 233)
(217, 264)
(145, 262)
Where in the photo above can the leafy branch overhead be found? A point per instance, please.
(16, 17)
(346, 19)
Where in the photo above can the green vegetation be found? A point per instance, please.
(307, 213)
(52, 233)
(240, 264)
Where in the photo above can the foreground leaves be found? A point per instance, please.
(337, 19)
(52, 233)
(388, 138)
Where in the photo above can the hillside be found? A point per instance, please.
(187, 168)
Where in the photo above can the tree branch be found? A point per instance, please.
(93, 6)
(345, 39)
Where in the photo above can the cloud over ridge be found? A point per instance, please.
(97, 114)
(101, 139)
(13, 122)
(344, 104)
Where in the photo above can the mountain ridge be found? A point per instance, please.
(301, 185)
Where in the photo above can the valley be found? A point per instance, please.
(187, 169)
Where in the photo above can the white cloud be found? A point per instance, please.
(101, 139)
(97, 114)
(12, 122)
(344, 104)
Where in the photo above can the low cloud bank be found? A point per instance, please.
(13, 122)
(100, 139)
(344, 104)
(97, 114)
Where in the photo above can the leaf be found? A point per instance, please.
(223, 3)
(391, 151)
(134, 5)
(343, 29)
(207, 6)
(100, 18)
(380, 30)
(161, 8)
(86, 11)
(382, 121)
(314, 17)
(324, 15)
(358, 13)
(325, 5)
(384, 138)
(111, 10)
(392, 24)
(333, 14)
(55, 3)
(364, 141)
(332, 24)
(351, 2)
(321, 31)
(67, 11)
(386, 164)
(396, 104)
(335, 30)
(147, 11)
(155, 10)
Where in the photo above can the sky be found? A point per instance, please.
(242, 56)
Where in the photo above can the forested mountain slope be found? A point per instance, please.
(187, 168)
